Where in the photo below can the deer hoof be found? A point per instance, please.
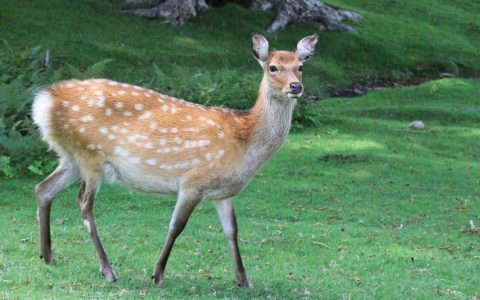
(157, 281)
(109, 276)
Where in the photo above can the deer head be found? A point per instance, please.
(283, 69)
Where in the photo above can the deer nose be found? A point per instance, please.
(296, 87)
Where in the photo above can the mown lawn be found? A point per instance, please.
(361, 207)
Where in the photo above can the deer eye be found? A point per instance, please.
(273, 69)
(300, 68)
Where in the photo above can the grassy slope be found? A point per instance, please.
(398, 39)
(362, 207)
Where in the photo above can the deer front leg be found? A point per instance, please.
(86, 197)
(184, 207)
(65, 174)
(227, 217)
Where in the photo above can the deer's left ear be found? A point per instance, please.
(306, 47)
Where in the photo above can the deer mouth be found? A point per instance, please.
(293, 95)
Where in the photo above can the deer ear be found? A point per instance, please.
(306, 47)
(260, 48)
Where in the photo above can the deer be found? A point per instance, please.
(103, 130)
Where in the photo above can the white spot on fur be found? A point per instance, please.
(153, 125)
(165, 167)
(145, 115)
(108, 112)
(127, 114)
(208, 156)
(174, 130)
(137, 88)
(196, 143)
(220, 153)
(86, 119)
(148, 145)
(133, 93)
(81, 129)
(163, 130)
(138, 106)
(195, 161)
(103, 130)
(65, 103)
(123, 130)
(86, 223)
(98, 93)
(133, 160)
(120, 151)
(151, 162)
(112, 83)
(178, 140)
(76, 108)
(121, 92)
(119, 105)
(91, 146)
(162, 142)
(191, 129)
(221, 134)
(111, 136)
(70, 85)
(100, 102)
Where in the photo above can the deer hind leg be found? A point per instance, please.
(65, 174)
(184, 207)
(227, 217)
(86, 197)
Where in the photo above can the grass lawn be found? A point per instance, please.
(361, 207)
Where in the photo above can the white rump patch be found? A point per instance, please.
(42, 110)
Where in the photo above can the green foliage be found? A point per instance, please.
(6, 167)
(228, 88)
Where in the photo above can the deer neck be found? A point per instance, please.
(268, 124)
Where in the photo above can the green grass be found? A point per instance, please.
(397, 40)
(360, 208)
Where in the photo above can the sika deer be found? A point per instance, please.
(105, 130)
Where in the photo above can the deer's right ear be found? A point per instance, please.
(260, 48)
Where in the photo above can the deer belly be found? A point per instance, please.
(142, 179)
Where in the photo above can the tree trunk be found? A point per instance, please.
(173, 11)
(313, 12)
